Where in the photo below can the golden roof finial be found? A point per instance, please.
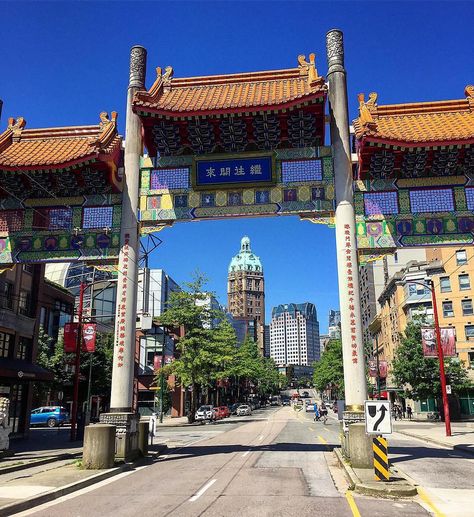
(309, 68)
(469, 92)
(367, 108)
(16, 127)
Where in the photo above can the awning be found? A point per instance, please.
(23, 371)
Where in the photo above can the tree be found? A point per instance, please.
(205, 352)
(329, 370)
(419, 375)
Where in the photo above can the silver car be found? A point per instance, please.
(244, 410)
(204, 413)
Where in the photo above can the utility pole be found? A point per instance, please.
(447, 418)
(77, 362)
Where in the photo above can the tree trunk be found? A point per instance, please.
(193, 408)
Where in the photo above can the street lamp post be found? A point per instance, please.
(77, 363)
(447, 418)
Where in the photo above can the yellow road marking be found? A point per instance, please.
(426, 499)
(322, 440)
(352, 504)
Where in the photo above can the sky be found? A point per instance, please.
(64, 62)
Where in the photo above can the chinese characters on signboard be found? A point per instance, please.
(243, 170)
(122, 301)
(448, 341)
(350, 290)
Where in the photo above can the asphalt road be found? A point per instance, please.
(275, 462)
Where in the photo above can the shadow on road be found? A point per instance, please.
(412, 453)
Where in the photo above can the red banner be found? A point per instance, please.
(428, 341)
(448, 341)
(383, 369)
(70, 337)
(372, 367)
(157, 361)
(88, 337)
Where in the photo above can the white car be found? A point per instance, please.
(204, 413)
(308, 405)
(244, 410)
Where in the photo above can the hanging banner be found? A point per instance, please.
(448, 341)
(88, 337)
(157, 361)
(383, 369)
(70, 337)
(372, 368)
(428, 341)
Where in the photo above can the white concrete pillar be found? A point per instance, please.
(347, 261)
(121, 400)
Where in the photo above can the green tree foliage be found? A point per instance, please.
(102, 360)
(419, 375)
(329, 370)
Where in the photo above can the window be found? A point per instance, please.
(461, 257)
(6, 296)
(471, 359)
(445, 284)
(464, 283)
(469, 329)
(467, 307)
(24, 303)
(5, 342)
(24, 349)
(448, 311)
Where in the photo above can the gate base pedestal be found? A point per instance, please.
(356, 444)
(126, 436)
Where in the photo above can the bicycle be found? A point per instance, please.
(433, 416)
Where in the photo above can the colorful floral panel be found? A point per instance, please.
(169, 178)
(97, 217)
(378, 203)
(301, 170)
(432, 200)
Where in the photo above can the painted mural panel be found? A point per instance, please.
(282, 182)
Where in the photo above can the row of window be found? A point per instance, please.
(7, 299)
(463, 279)
(466, 306)
(24, 347)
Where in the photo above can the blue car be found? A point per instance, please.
(52, 416)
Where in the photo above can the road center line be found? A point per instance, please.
(352, 504)
(201, 491)
(427, 500)
(322, 440)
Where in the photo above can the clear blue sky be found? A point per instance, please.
(64, 62)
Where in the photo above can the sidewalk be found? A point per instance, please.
(435, 432)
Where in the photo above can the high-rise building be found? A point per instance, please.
(245, 286)
(294, 334)
(334, 324)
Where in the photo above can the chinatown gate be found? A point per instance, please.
(240, 145)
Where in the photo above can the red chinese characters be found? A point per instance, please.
(122, 304)
(350, 290)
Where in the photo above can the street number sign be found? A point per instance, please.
(378, 417)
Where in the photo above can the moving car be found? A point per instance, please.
(204, 413)
(285, 402)
(244, 410)
(309, 405)
(305, 394)
(52, 416)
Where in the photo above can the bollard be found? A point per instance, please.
(380, 449)
(143, 437)
(99, 446)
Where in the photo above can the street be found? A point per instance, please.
(275, 462)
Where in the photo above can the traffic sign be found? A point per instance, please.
(378, 417)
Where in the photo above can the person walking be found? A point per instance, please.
(316, 412)
(409, 412)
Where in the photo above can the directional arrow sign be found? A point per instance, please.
(378, 417)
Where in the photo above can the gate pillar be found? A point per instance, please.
(121, 401)
(347, 261)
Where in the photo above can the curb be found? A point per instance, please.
(380, 489)
(38, 463)
(462, 448)
(58, 492)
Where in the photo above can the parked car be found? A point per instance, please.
(204, 413)
(285, 402)
(52, 416)
(217, 413)
(233, 408)
(305, 394)
(224, 410)
(244, 410)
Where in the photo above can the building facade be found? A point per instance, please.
(28, 301)
(334, 324)
(294, 334)
(246, 292)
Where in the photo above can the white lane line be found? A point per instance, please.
(245, 453)
(199, 493)
(260, 437)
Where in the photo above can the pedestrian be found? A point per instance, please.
(409, 411)
(316, 412)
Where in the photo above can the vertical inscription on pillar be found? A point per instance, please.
(350, 290)
(122, 304)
